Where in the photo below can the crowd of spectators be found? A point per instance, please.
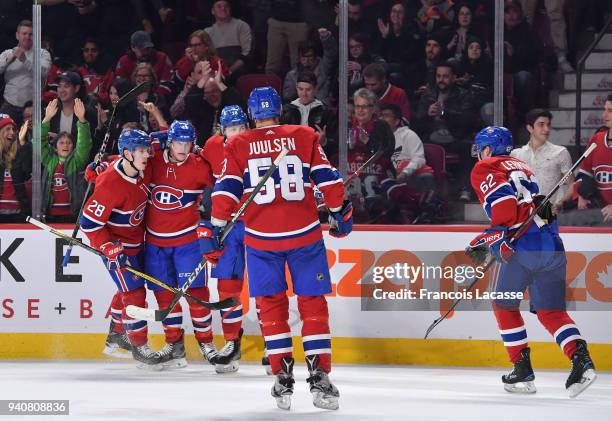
(420, 79)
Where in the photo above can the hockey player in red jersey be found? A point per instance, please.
(506, 188)
(282, 227)
(178, 178)
(229, 270)
(594, 179)
(113, 221)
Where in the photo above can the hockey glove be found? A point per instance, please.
(209, 237)
(493, 240)
(114, 257)
(93, 170)
(341, 222)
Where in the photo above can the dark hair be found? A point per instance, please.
(60, 135)
(306, 46)
(122, 85)
(28, 104)
(394, 108)
(609, 98)
(360, 38)
(354, 2)
(536, 113)
(307, 77)
(375, 70)
(448, 64)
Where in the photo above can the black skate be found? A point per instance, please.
(146, 358)
(265, 362)
(520, 379)
(228, 357)
(324, 394)
(173, 354)
(283, 385)
(209, 351)
(583, 370)
(117, 343)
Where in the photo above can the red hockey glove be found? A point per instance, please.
(114, 257)
(493, 240)
(93, 170)
(209, 237)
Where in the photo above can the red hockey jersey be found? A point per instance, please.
(116, 209)
(213, 153)
(176, 189)
(505, 187)
(598, 165)
(283, 215)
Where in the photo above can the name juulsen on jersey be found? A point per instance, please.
(260, 147)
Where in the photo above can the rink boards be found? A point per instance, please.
(50, 312)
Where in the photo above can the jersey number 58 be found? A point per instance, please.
(291, 175)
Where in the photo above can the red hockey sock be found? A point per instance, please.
(116, 310)
(200, 316)
(315, 329)
(563, 329)
(513, 332)
(173, 324)
(274, 312)
(231, 317)
(136, 329)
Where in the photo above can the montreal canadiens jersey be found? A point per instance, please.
(116, 209)
(505, 187)
(283, 214)
(598, 165)
(213, 153)
(176, 190)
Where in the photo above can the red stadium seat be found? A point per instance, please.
(246, 83)
(435, 155)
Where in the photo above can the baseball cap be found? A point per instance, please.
(72, 78)
(5, 120)
(141, 39)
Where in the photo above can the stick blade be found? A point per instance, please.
(140, 313)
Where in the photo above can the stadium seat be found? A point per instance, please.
(246, 83)
(435, 155)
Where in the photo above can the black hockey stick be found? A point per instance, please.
(125, 99)
(74, 241)
(140, 313)
(518, 230)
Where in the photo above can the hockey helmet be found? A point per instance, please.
(181, 131)
(130, 139)
(232, 115)
(264, 103)
(499, 139)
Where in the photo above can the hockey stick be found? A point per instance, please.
(140, 313)
(125, 99)
(74, 241)
(524, 225)
(371, 159)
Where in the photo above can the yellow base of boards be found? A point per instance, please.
(442, 352)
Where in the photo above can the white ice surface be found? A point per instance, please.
(119, 391)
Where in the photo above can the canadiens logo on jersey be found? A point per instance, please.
(59, 182)
(137, 216)
(166, 197)
(603, 176)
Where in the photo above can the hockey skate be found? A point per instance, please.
(520, 379)
(173, 354)
(117, 343)
(209, 351)
(146, 358)
(324, 394)
(228, 357)
(583, 371)
(283, 385)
